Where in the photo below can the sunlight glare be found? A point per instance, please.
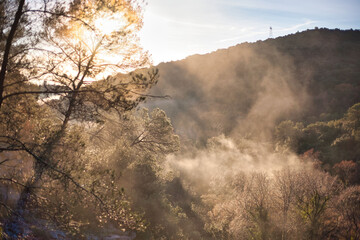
(109, 24)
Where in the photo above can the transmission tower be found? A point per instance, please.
(270, 33)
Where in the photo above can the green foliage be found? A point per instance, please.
(141, 141)
(334, 140)
(353, 118)
(78, 159)
(287, 133)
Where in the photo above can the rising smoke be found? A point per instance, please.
(243, 90)
(225, 107)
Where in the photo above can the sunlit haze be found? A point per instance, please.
(175, 29)
(109, 24)
(180, 119)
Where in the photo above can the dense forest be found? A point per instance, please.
(257, 141)
(308, 76)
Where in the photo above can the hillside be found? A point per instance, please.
(247, 89)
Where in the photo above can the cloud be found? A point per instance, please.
(175, 29)
(189, 23)
(305, 7)
(297, 26)
(246, 32)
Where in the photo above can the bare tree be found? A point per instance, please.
(314, 192)
(284, 194)
(347, 208)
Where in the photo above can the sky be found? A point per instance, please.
(175, 29)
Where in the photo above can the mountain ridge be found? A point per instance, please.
(250, 87)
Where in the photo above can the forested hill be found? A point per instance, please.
(247, 89)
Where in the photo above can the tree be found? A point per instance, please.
(347, 207)
(288, 134)
(9, 41)
(93, 28)
(224, 217)
(348, 172)
(353, 116)
(257, 206)
(243, 209)
(72, 50)
(139, 143)
(313, 195)
(284, 194)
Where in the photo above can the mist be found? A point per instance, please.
(224, 158)
(232, 92)
(233, 176)
(249, 88)
(225, 107)
(258, 141)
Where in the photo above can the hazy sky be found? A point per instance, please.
(175, 29)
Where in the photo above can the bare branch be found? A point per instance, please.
(4, 161)
(13, 181)
(66, 175)
(149, 95)
(49, 92)
(60, 15)
(15, 83)
(7, 208)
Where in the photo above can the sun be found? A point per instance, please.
(107, 24)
